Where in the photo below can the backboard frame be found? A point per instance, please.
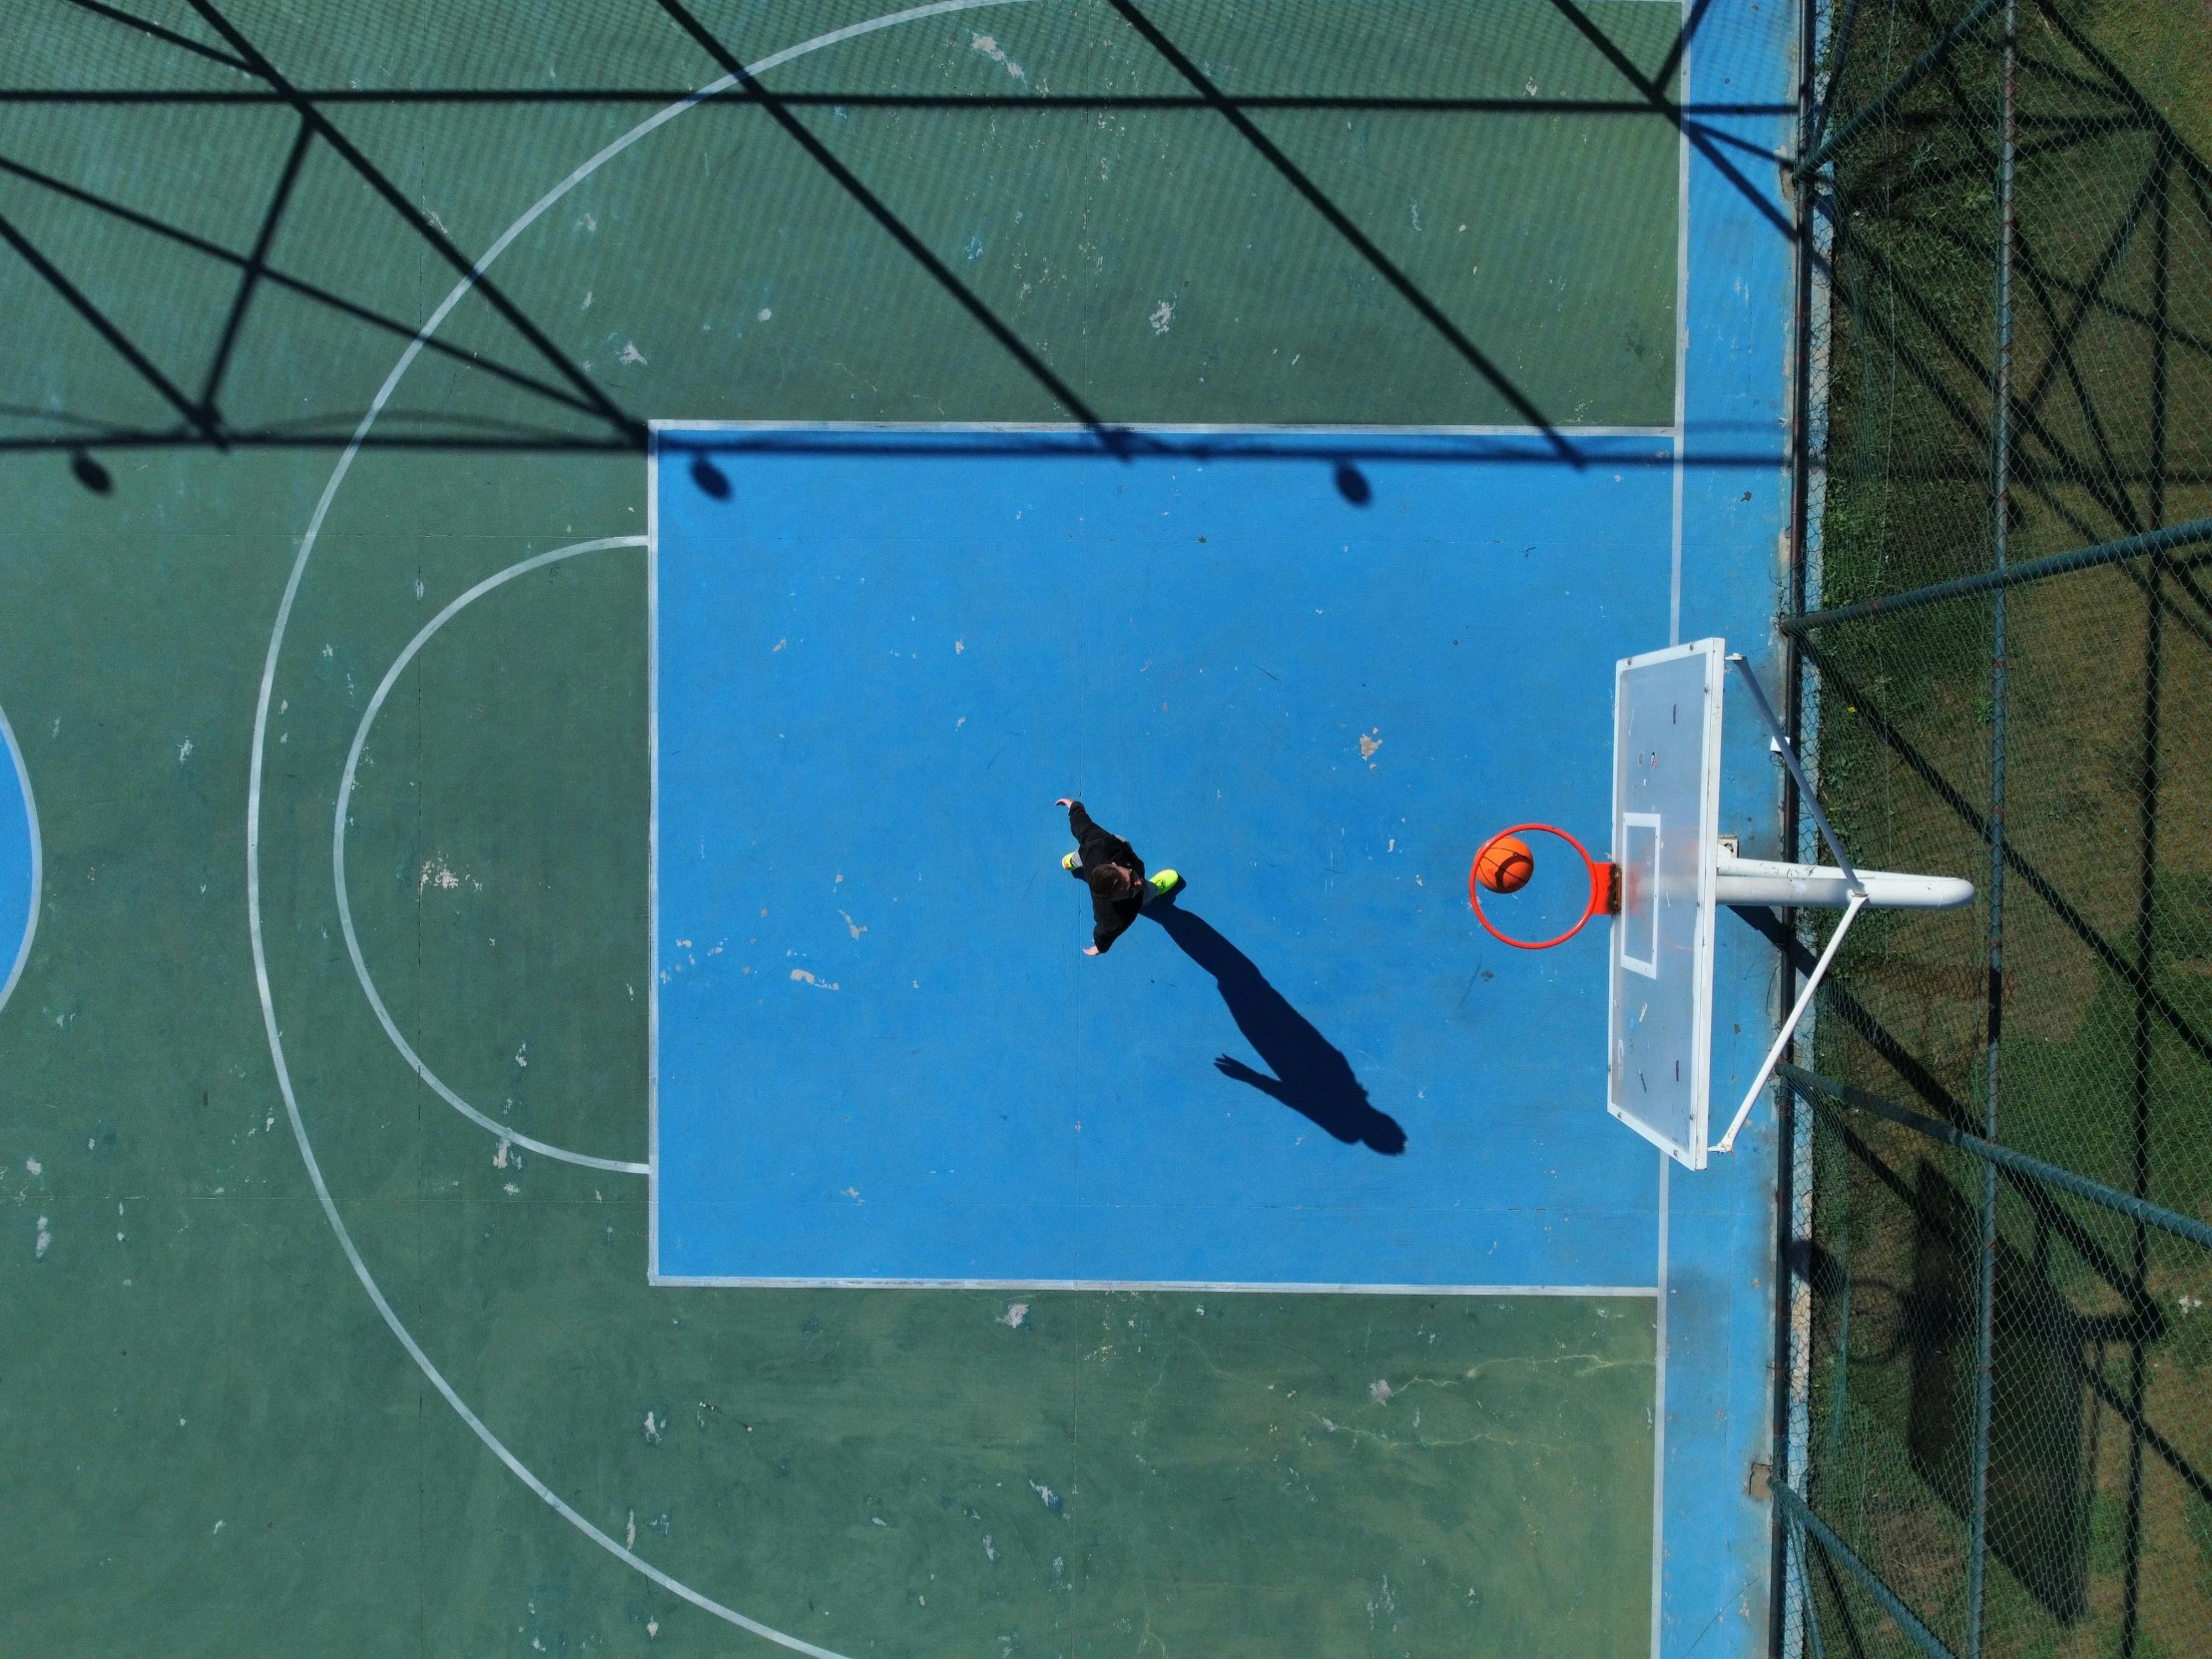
(1678, 768)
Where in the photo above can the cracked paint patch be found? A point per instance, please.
(436, 873)
(990, 48)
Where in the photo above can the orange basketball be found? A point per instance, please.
(1506, 865)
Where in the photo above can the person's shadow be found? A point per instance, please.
(1310, 1076)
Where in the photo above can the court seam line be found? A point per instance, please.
(505, 1132)
(258, 762)
(1222, 1287)
(38, 861)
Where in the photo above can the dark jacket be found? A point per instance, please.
(1111, 917)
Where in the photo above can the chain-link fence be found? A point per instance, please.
(2001, 1434)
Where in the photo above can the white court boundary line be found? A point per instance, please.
(654, 458)
(38, 859)
(1674, 638)
(1262, 430)
(1212, 1287)
(506, 1132)
(258, 761)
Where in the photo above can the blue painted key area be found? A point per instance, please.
(19, 861)
(1310, 675)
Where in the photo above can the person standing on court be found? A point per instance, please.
(1110, 867)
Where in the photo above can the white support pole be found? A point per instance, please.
(1854, 889)
(1824, 886)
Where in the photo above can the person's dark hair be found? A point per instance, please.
(1109, 880)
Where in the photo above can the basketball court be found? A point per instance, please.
(553, 1099)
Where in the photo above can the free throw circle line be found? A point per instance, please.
(257, 760)
(505, 1132)
(38, 870)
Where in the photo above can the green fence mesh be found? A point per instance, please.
(2002, 1385)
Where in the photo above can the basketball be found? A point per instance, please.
(1505, 865)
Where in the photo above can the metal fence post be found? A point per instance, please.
(1799, 1615)
(1793, 1612)
(2146, 900)
(2000, 506)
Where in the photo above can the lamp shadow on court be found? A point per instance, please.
(1311, 1076)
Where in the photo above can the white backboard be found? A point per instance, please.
(1666, 817)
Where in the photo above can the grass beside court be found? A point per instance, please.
(2106, 808)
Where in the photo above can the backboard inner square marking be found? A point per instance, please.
(1639, 921)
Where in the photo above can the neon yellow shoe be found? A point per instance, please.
(1068, 862)
(1165, 885)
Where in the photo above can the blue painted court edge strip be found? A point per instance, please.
(1713, 1544)
(881, 1055)
(19, 863)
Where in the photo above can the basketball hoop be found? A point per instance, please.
(1605, 889)
(1671, 869)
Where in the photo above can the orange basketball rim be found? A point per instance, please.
(1605, 889)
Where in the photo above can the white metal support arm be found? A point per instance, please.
(1856, 899)
(1851, 908)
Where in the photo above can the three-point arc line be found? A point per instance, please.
(257, 760)
(505, 1132)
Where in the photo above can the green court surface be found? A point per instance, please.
(212, 1439)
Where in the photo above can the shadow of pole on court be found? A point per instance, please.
(557, 377)
(1311, 1076)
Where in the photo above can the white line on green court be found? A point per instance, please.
(259, 761)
